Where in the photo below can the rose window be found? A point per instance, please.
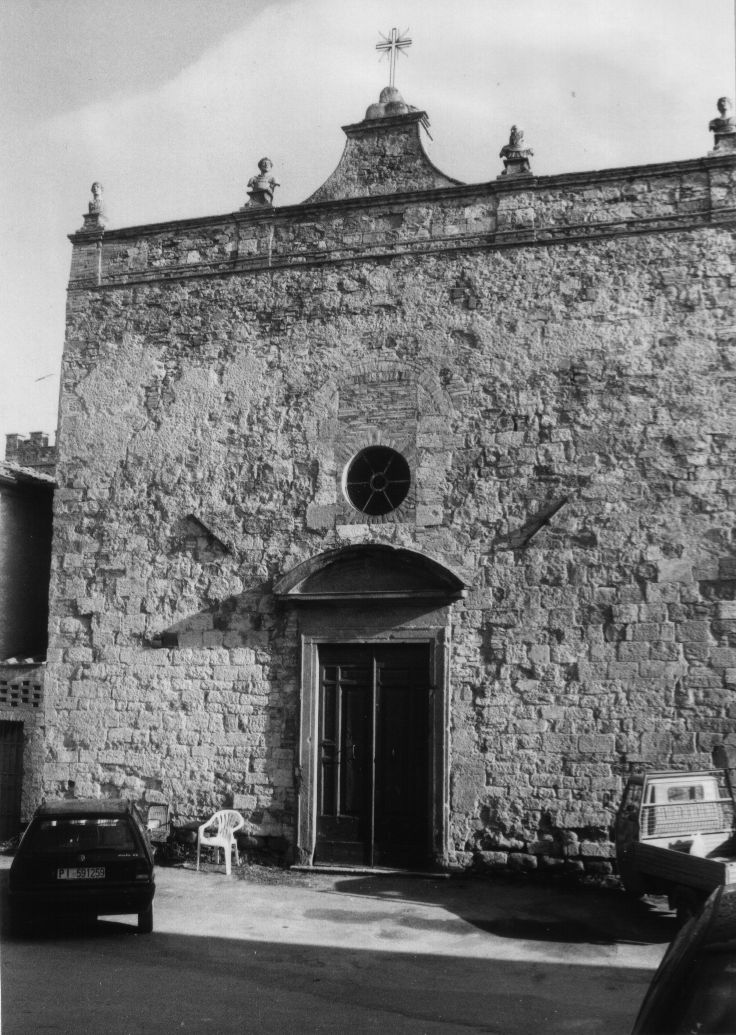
(377, 480)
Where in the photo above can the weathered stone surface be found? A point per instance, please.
(382, 158)
(221, 374)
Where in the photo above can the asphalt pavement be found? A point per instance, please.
(273, 951)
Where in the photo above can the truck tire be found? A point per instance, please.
(686, 902)
(632, 883)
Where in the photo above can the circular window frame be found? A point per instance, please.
(376, 481)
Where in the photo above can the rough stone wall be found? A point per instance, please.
(567, 406)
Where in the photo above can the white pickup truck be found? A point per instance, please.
(675, 836)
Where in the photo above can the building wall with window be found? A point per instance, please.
(551, 359)
(33, 452)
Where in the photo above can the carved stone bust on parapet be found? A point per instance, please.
(262, 186)
(95, 218)
(515, 155)
(723, 128)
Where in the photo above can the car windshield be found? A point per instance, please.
(82, 834)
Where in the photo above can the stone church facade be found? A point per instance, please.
(401, 519)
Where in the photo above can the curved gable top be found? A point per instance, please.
(371, 572)
(383, 155)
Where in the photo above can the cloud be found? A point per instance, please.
(284, 84)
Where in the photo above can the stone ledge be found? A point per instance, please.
(539, 237)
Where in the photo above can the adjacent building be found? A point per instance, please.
(26, 495)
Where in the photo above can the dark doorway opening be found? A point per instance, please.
(374, 804)
(11, 777)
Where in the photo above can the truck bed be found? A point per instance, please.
(682, 868)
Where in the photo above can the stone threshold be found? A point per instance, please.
(370, 871)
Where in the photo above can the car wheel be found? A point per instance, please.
(145, 920)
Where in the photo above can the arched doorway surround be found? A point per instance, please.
(374, 626)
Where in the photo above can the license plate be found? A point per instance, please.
(81, 873)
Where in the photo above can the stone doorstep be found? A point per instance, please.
(370, 871)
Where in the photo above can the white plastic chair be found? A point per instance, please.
(222, 827)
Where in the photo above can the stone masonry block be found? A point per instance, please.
(680, 570)
(723, 657)
(597, 850)
(522, 861)
(596, 744)
(696, 631)
(629, 651)
(656, 745)
(645, 632)
(493, 860)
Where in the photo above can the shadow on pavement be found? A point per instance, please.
(107, 978)
(528, 910)
(104, 976)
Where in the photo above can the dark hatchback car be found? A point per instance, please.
(83, 859)
(694, 989)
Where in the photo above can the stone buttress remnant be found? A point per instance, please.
(492, 422)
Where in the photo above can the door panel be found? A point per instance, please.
(344, 817)
(374, 797)
(402, 757)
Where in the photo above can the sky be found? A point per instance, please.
(170, 104)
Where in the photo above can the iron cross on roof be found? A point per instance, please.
(393, 45)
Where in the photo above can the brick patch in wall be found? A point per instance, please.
(21, 692)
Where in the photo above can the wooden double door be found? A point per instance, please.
(374, 793)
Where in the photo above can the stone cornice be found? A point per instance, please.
(567, 208)
(385, 122)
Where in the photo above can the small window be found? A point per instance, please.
(377, 480)
(81, 835)
(693, 792)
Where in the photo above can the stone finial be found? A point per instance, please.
(95, 218)
(723, 128)
(262, 186)
(515, 155)
(390, 103)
